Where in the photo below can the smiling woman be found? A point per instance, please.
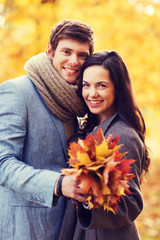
(107, 91)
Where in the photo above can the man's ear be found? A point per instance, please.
(49, 50)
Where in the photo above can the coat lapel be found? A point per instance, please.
(61, 132)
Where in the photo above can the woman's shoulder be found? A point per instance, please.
(118, 127)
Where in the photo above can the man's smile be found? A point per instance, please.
(70, 70)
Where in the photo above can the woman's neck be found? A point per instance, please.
(102, 118)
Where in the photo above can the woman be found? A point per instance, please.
(106, 89)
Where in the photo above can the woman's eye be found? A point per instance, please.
(85, 85)
(102, 86)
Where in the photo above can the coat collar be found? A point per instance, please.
(105, 124)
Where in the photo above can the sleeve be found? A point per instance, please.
(36, 185)
(130, 205)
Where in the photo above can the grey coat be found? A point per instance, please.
(32, 152)
(98, 224)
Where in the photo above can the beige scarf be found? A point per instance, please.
(59, 96)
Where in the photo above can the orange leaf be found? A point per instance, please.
(88, 183)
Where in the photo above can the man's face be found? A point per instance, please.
(68, 58)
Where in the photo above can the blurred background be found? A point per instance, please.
(132, 28)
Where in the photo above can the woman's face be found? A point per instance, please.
(99, 92)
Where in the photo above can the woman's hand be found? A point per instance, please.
(71, 188)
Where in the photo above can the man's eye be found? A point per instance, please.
(83, 56)
(66, 52)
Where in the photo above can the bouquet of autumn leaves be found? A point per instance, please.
(101, 169)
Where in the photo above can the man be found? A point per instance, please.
(37, 116)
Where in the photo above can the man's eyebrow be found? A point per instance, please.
(66, 48)
(70, 49)
(85, 53)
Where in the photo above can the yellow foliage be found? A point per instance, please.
(130, 27)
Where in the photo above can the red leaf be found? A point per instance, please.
(112, 142)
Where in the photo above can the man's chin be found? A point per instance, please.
(70, 80)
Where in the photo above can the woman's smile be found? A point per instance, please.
(94, 103)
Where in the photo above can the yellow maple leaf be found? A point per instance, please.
(83, 159)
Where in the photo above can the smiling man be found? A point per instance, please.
(38, 115)
(68, 58)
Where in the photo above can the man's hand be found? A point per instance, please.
(71, 189)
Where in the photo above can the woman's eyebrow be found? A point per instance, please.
(103, 81)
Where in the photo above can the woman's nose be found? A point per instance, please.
(93, 92)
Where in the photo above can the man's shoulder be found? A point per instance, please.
(22, 83)
(18, 81)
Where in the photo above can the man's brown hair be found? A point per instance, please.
(74, 29)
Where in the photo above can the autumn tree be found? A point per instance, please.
(130, 27)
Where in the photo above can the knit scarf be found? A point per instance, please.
(58, 95)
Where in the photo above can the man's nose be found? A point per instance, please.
(74, 59)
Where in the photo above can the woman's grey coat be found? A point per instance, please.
(32, 152)
(98, 224)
